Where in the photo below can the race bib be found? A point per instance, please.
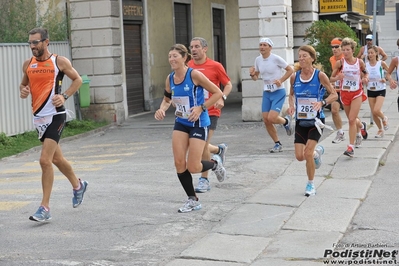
(373, 84)
(182, 106)
(42, 123)
(350, 84)
(305, 108)
(270, 87)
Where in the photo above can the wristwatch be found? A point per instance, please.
(203, 107)
(65, 96)
(323, 103)
(224, 97)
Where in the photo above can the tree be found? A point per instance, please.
(18, 17)
(320, 34)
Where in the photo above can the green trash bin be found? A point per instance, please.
(84, 92)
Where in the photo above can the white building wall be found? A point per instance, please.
(304, 14)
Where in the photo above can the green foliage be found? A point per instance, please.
(320, 34)
(18, 17)
(22, 142)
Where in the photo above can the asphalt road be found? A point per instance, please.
(129, 215)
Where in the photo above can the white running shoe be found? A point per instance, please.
(317, 160)
(358, 141)
(340, 137)
(190, 205)
(220, 171)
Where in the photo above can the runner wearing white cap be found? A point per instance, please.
(363, 52)
(270, 67)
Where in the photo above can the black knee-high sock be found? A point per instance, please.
(207, 165)
(186, 181)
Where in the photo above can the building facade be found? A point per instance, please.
(123, 45)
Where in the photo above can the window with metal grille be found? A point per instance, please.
(182, 24)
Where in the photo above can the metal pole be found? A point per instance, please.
(375, 22)
(374, 39)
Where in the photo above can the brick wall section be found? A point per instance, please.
(96, 52)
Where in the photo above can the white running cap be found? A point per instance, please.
(369, 37)
(266, 40)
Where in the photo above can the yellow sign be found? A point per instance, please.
(358, 6)
(330, 6)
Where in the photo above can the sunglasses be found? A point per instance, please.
(36, 42)
(334, 46)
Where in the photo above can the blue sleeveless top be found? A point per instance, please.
(185, 96)
(303, 91)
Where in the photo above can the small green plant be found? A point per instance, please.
(16, 144)
(320, 34)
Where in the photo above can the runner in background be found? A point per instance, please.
(363, 52)
(393, 84)
(336, 105)
(216, 73)
(376, 89)
(270, 66)
(352, 73)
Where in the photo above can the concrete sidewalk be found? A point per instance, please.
(280, 226)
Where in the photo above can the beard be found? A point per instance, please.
(37, 52)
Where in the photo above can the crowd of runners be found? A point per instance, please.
(197, 88)
(354, 79)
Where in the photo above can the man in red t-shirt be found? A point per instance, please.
(216, 73)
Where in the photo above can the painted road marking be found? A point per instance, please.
(8, 206)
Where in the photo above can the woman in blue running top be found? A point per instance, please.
(308, 86)
(184, 87)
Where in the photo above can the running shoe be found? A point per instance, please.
(310, 190)
(190, 205)
(358, 141)
(288, 126)
(364, 130)
(385, 123)
(78, 194)
(349, 151)
(340, 137)
(277, 148)
(219, 171)
(379, 134)
(320, 151)
(222, 151)
(203, 185)
(41, 215)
